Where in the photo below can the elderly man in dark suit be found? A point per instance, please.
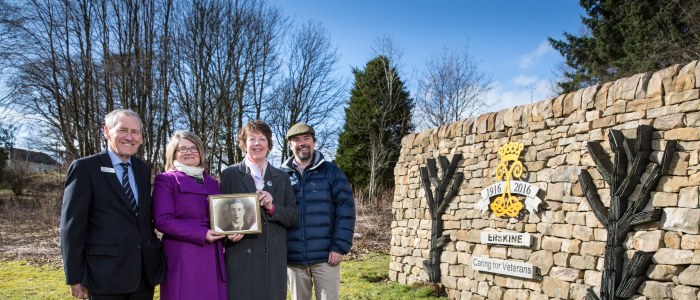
(109, 247)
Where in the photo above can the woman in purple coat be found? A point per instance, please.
(196, 268)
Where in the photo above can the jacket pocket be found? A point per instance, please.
(103, 250)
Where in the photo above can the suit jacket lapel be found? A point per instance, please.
(247, 179)
(270, 180)
(142, 182)
(113, 181)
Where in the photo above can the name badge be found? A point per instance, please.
(107, 170)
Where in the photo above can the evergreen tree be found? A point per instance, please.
(626, 37)
(377, 117)
(6, 143)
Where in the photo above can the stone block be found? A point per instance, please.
(686, 78)
(601, 97)
(592, 278)
(683, 134)
(683, 292)
(689, 197)
(557, 106)
(685, 220)
(583, 233)
(629, 117)
(562, 230)
(603, 122)
(692, 119)
(520, 253)
(571, 246)
(566, 274)
(561, 259)
(543, 260)
(697, 77)
(495, 292)
(690, 276)
(498, 252)
(663, 272)
(661, 199)
(662, 81)
(571, 103)
(672, 240)
(555, 288)
(575, 218)
(588, 97)
(551, 243)
(592, 248)
(673, 184)
(690, 242)
(583, 262)
(656, 289)
(689, 106)
(667, 256)
(483, 288)
(683, 98)
(648, 241)
(668, 122)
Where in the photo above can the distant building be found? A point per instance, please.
(35, 162)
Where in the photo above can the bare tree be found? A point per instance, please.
(451, 88)
(133, 35)
(310, 90)
(54, 81)
(79, 59)
(393, 102)
(226, 54)
(197, 41)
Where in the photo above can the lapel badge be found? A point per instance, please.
(269, 183)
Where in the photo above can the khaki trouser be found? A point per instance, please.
(326, 281)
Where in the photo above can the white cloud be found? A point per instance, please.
(528, 60)
(504, 96)
(523, 80)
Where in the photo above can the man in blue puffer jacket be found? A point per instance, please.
(324, 232)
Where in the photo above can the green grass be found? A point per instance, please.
(20, 280)
(366, 278)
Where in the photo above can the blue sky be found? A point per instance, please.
(508, 39)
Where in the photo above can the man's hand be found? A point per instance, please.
(78, 291)
(334, 258)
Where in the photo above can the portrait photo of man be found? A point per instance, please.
(235, 214)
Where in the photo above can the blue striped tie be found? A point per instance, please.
(127, 189)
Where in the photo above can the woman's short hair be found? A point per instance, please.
(259, 126)
(171, 149)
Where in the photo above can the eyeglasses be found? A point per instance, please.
(190, 149)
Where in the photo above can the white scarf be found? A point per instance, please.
(258, 175)
(189, 171)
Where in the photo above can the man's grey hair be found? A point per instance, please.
(112, 117)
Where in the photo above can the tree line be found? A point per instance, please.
(209, 66)
(203, 66)
(626, 37)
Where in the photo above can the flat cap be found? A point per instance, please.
(300, 128)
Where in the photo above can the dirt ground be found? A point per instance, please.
(29, 227)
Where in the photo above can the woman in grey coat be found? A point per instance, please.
(256, 264)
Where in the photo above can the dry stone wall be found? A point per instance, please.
(568, 240)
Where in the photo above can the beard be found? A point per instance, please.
(304, 153)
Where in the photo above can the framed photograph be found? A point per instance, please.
(235, 213)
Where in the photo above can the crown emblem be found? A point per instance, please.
(510, 151)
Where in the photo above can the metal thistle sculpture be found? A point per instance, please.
(622, 215)
(437, 204)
